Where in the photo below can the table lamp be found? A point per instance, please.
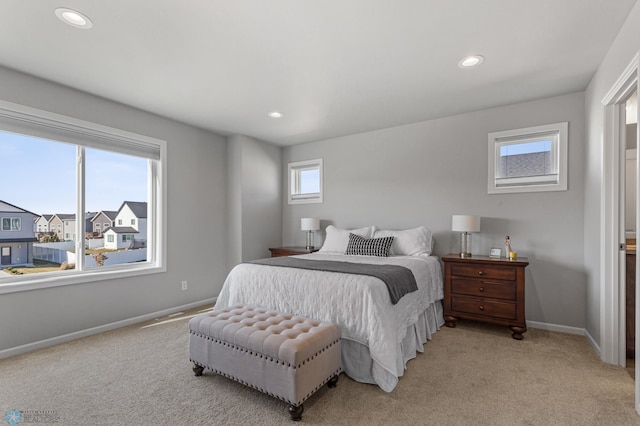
(309, 224)
(465, 224)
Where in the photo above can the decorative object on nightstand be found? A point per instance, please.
(290, 251)
(485, 289)
(507, 248)
(309, 224)
(465, 224)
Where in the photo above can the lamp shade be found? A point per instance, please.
(465, 223)
(309, 224)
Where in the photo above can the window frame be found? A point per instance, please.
(559, 158)
(294, 170)
(15, 118)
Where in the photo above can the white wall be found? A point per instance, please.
(421, 174)
(626, 45)
(255, 196)
(196, 173)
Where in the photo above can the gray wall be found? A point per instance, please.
(255, 209)
(196, 171)
(626, 45)
(421, 174)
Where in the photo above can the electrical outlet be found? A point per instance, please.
(184, 285)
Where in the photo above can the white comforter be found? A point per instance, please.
(359, 304)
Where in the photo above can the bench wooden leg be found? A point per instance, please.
(198, 369)
(296, 412)
(332, 383)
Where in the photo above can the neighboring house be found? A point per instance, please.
(102, 221)
(42, 223)
(119, 237)
(129, 226)
(16, 235)
(65, 225)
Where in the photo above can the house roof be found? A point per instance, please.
(46, 217)
(111, 214)
(64, 216)
(139, 208)
(69, 216)
(18, 240)
(122, 230)
(15, 207)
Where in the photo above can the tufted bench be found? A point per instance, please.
(285, 356)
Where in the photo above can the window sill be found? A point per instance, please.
(25, 283)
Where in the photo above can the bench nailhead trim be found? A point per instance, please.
(296, 404)
(277, 361)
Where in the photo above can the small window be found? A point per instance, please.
(528, 160)
(110, 238)
(305, 182)
(133, 221)
(119, 221)
(11, 224)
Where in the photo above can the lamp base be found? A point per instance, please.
(309, 245)
(465, 244)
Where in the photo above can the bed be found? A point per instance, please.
(378, 337)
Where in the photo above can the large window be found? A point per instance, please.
(305, 182)
(528, 160)
(62, 166)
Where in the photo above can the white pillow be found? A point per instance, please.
(409, 242)
(337, 239)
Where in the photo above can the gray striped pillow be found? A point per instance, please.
(369, 247)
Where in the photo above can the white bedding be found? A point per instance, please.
(359, 304)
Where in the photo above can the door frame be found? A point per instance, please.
(612, 303)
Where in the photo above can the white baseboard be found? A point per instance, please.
(568, 330)
(6, 353)
(556, 327)
(593, 343)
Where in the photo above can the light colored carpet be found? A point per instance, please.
(474, 374)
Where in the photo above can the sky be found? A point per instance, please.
(40, 176)
(525, 148)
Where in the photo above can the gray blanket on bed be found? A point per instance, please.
(398, 279)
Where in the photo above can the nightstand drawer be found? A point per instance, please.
(483, 288)
(492, 308)
(483, 271)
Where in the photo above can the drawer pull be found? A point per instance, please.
(481, 308)
(481, 288)
(480, 273)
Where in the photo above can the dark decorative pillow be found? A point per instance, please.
(369, 247)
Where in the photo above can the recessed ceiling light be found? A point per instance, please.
(73, 18)
(471, 61)
(275, 114)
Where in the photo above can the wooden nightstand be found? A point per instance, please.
(290, 251)
(485, 289)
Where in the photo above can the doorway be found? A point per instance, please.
(612, 221)
(5, 255)
(629, 134)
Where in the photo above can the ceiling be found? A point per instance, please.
(332, 67)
